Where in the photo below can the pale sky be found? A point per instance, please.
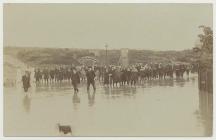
(138, 26)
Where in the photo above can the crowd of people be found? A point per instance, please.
(111, 75)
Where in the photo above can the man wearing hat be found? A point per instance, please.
(26, 81)
(75, 79)
(90, 75)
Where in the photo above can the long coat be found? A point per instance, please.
(90, 76)
(26, 81)
(75, 78)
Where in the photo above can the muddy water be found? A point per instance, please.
(155, 108)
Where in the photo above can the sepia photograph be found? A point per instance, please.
(107, 69)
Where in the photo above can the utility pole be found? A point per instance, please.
(106, 46)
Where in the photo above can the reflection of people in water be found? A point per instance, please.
(27, 103)
(91, 98)
(128, 92)
(106, 90)
(169, 82)
(75, 99)
(180, 82)
(133, 90)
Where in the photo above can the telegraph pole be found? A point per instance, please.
(106, 46)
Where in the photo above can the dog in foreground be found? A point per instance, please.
(64, 128)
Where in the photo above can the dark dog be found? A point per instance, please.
(64, 128)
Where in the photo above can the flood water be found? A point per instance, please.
(155, 108)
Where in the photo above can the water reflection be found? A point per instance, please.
(109, 92)
(156, 108)
(162, 83)
(116, 91)
(49, 87)
(106, 90)
(205, 112)
(180, 82)
(27, 103)
(133, 90)
(75, 100)
(91, 98)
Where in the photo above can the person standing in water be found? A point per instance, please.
(26, 81)
(90, 78)
(75, 80)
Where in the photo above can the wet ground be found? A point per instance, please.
(155, 108)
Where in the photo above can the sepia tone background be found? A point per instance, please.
(41, 35)
(138, 26)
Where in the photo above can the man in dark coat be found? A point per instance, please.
(26, 81)
(128, 76)
(37, 75)
(123, 76)
(46, 75)
(134, 76)
(75, 80)
(90, 75)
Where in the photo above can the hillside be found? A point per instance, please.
(55, 56)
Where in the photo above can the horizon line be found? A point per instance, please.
(40, 47)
